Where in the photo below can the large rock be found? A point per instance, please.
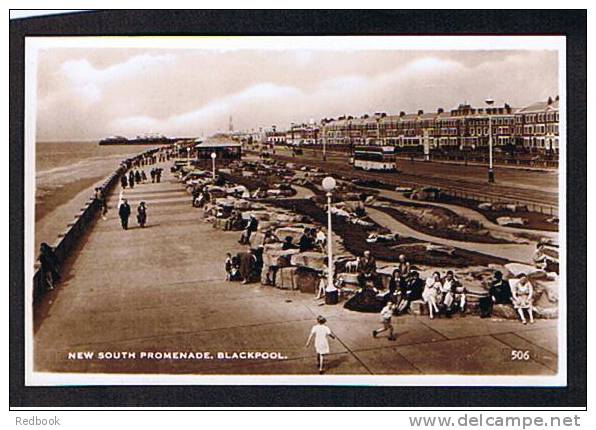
(307, 281)
(312, 260)
(294, 232)
(286, 278)
(273, 257)
(505, 311)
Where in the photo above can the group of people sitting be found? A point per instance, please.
(443, 295)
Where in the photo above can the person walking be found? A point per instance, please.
(131, 179)
(143, 176)
(123, 181)
(386, 314)
(137, 177)
(320, 332)
(124, 213)
(152, 173)
(142, 214)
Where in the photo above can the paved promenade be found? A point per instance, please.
(161, 289)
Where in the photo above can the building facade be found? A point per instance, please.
(535, 128)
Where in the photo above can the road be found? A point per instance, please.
(530, 186)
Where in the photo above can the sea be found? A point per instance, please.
(65, 175)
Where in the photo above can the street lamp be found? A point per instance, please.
(213, 157)
(188, 156)
(491, 173)
(329, 185)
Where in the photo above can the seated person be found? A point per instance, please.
(411, 289)
(367, 271)
(288, 244)
(431, 293)
(269, 237)
(499, 292)
(306, 242)
(454, 294)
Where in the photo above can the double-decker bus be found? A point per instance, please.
(373, 157)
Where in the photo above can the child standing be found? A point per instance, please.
(320, 332)
(228, 266)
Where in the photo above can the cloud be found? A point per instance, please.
(249, 98)
(94, 93)
(88, 81)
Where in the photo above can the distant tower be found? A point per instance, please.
(231, 125)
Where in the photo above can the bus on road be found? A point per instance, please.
(373, 157)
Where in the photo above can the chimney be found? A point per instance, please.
(557, 98)
(440, 110)
(550, 101)
(420, 112)
(402, 113)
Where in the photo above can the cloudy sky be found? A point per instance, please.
(87, 94)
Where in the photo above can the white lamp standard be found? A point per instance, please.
(329, 185)
(213, 157)
(188, 156)
(491, 173)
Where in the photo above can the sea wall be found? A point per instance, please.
(81, 224)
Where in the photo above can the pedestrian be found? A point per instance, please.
(143, 176)
(101, 199)
(158, 174)
(123, 181)
(320, 332)
(386, 314)
(124, 213)
(137, 177)
(152, 173)
(131, 179)
(248, 263)
(50, 267)
(142, 214)
(251, 226)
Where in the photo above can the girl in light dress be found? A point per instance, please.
(431, 292)
(320, 332)
(522, 292)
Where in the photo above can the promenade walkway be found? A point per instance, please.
(161, 289)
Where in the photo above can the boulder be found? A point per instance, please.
(286, 278)
(505, 311)
(306, 280)
(312, 260)
(294, 232)
(516, 268)
(418, 307)
(272, 257)
(506, 220)
(442, 249)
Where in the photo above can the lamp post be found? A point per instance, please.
(188, 156)
(213, 157)
(491, 173)
(329, 185)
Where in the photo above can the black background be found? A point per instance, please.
(572, 24)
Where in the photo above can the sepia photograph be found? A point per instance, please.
(313, 210)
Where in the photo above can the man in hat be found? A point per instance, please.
(124, 213)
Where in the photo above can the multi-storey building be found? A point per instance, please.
(537, 126)
(533, 127)
(302, 134)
